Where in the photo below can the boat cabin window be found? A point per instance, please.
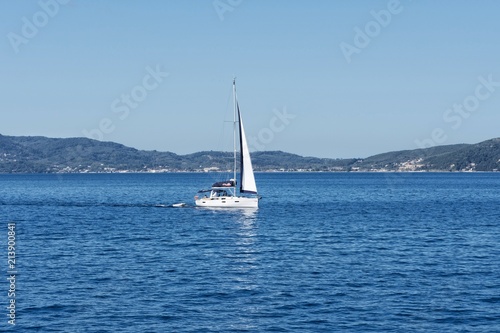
(220, 193)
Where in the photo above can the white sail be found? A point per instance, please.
(247, 184)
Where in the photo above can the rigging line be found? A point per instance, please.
(223, 142)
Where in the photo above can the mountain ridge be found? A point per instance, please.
(39, 154)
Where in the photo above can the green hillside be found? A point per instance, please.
(23, 154)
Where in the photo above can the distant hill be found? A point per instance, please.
(483, 156)
(24, 154)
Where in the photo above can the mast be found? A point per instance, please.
(234, 133)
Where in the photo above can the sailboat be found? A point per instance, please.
(224, 194)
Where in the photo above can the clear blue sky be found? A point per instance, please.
(69, 74)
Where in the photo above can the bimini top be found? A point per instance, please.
(227, 183)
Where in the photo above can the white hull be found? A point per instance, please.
(228, 202)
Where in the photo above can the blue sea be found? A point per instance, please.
(325, 252)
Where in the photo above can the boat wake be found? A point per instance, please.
(91, 204)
